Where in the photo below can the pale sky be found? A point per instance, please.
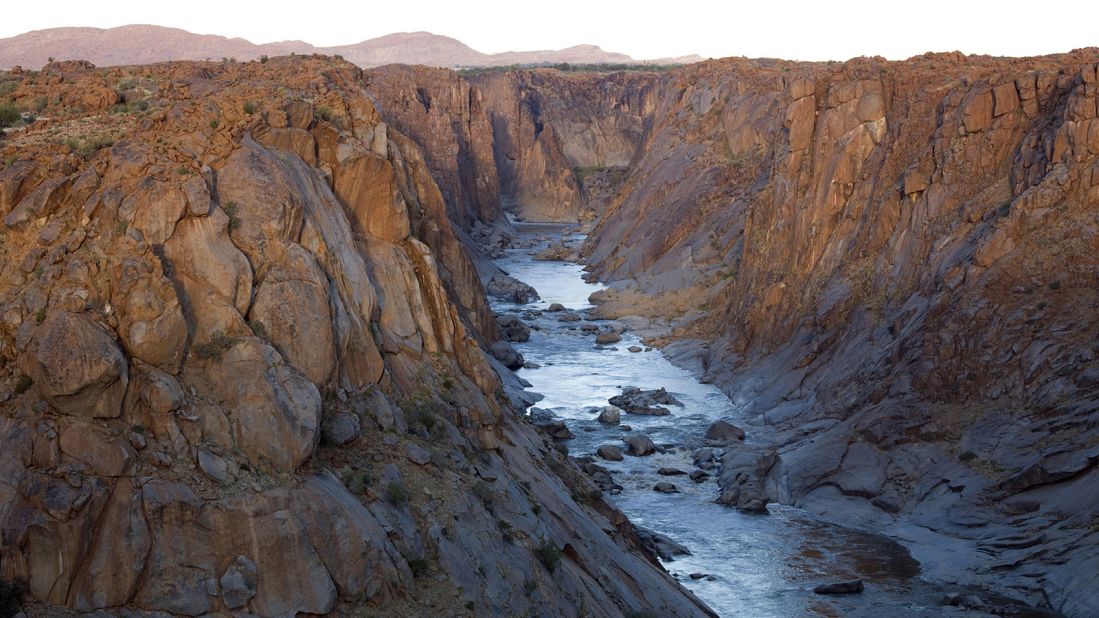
(796, 29)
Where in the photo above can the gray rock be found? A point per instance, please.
(722, 433)
(418, 455)
(609, 452)
(851, 587)
(610, 415)
(340, 428)
(513, 328)
(607, 338)
(556, 307)
(635, 349)
(665, 487)
(639, 445)
(503, 286)
(213, 466)
(238, 584)
(659, 544)
(671, 472)
(507, 355)
(570, 317)
(648, 403)
(698, 476)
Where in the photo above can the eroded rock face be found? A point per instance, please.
(895, 263)
(255, 262)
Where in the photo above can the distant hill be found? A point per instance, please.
(143, 44)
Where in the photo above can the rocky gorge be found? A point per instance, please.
(248, 363)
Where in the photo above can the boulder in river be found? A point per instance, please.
(507, 355)
(607, 338)
(852, 587)
(639, 445)
(555, 307)
(636, 401)
(610, 415)
(671, 472)
(723, 433)
(513, 328)
(660, 545)
(665, 487)
(634, 348)
(609, 452)
(570, 317)
(510, 288)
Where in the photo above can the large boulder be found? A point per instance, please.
(639, 445)
(275, 410)
(513, 328)
(507, 355)
(722, 433)
(292, 311)
(78, 367)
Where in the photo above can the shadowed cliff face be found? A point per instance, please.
(891, 264)
(526, 142)
(240, 371)
(894, 266)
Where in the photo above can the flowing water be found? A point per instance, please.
(754, 565)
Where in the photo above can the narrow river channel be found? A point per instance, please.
(750, 565)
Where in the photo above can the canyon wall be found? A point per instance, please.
(524, 142)
(892, 268)
(240, 369)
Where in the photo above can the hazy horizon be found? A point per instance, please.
(796, 30)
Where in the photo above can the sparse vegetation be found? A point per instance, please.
(126, 84)
(88, 146)
(325, 113)
(217, 345)
(396, 493)
(9, 115)
(419, 567)
(421, 410)
(549, 554)
(249, 108)
(263, 59)
(22, 384)
(8, 87)
(40, 315)
(214, 123)
(529, 586)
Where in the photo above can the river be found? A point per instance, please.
(754, 565)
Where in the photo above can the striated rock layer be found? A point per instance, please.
(240, 367)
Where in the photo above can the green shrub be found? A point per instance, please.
(214, 123)
(88, 146)
(9, 115)
(8, 87)
(263, 59)
(529, 586)
(419, 567)
(217, 345)
(126, 84)
(396, 493)
(249, 108)
(325, 113)
(549, 554)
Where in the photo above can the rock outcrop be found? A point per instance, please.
(892, 265)
(241, 371)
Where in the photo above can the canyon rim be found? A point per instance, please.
(260, 353)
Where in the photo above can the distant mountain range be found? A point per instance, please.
(143, 44)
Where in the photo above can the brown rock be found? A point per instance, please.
(292, 310)
(78, 367)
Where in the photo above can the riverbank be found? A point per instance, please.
(742, 564)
